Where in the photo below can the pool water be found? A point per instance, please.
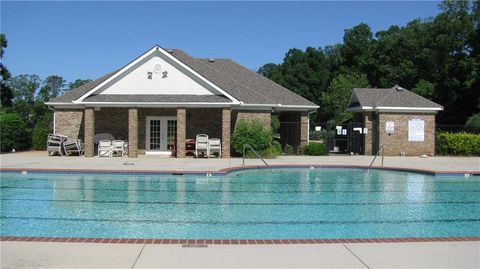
(252, 204)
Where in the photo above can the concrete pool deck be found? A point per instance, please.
(384, 255)
(40, 160)
(18, 254)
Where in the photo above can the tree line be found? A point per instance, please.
(437, 58)
(25, 119)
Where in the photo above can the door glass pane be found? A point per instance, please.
(154, 134)
(171, 133)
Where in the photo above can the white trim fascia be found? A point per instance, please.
(154, 104)
(66, 105)
(125, 68)
(145, 55)
(234, 100)
(393, 109)
(276, 107)
(359, 109)
(409, 108)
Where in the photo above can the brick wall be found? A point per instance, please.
(112, 120)
(204, 121)
(69, 123)
(398, 141)
(265, 117)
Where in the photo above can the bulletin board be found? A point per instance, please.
(416, 130)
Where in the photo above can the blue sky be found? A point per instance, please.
(89, 39)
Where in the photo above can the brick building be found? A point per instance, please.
(166, 95)
(400, 120)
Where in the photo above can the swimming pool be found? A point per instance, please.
(250, 204)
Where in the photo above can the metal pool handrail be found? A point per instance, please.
(375, 157)
(250, 147)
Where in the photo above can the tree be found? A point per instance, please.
(24, 87)
(53, 86)
(77, 83)
(424, 88)
(6, 94)
(357, 48)
(334, 100)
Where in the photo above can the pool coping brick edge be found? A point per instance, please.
(234, 241)
(228, 170)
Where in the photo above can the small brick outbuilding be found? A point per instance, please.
(165, 96)
(397, 119)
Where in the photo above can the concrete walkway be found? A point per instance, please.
(384, 255)
(40, 160)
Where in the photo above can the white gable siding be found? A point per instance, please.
(135, 81)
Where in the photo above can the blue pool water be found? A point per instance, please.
(254, 204)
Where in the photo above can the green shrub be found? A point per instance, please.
(458, 144)
(289, 150)
(272, 152)
(253, 133)
(473, 123)
(13, 133)
(315, 149)
(40, 134)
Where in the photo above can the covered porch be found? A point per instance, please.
(155, 130)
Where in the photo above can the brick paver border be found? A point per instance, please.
(235, 241)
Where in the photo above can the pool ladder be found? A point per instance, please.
(245, 146)
(375, 157)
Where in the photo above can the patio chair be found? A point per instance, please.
(104, 148)
(118, 147)
(54, 144)
(102, 136)
(215, 146)
(201, 145)
(73, 147)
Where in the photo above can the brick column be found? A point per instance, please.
(89, 131)
(226, 121)
(368, 137)
(181, 131)
(132, 132)
(304, 125)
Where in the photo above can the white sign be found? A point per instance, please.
(365, 130)
(339, 130)
(344, 132)
(357, 129)
(318, 128)
(390, 127)
(416, 130)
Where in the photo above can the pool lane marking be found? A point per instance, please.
(233, 191)
(239, 203)
(241, 223)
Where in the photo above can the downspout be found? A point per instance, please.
(53, 118)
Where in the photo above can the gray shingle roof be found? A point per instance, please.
(390, 97)
(76, 93)
(156, 98)
(244, 85)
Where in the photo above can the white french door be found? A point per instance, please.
(160, 134)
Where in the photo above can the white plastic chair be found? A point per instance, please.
(73, 147)
(118, 146)
(104, 148)
(215, 145)
(55, 144)
(201, 145)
